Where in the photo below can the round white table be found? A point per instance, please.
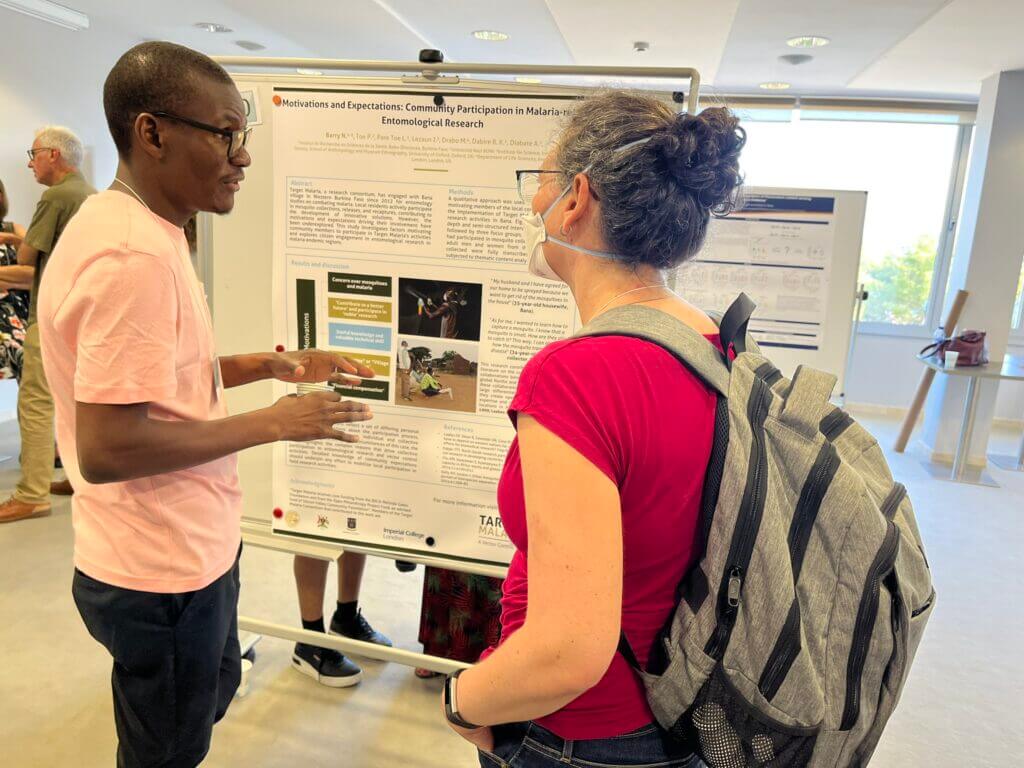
(1010, 369)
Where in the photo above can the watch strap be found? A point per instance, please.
(450, 710)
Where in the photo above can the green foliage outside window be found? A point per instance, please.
(899, 284)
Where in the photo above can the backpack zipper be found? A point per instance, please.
(751, 511)
(893, 500)
(864, 624)
(769, 373)
(833, 425)
(716, 468)
(928, 604)
(809, 504)
(786, 649)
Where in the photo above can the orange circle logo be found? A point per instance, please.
(277, 101)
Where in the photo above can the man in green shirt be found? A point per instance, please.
(55, 158)
(430, 386)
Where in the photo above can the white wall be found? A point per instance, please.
(884, 372)
(53, 75)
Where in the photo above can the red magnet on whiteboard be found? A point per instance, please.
(278, 513)
(279, 347)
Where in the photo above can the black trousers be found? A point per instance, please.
(176, 665)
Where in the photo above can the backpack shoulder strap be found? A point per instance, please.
(693, 350)
(733, 325)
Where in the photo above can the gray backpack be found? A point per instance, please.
(793, 635)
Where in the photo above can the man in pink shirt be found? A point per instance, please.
(139, 394)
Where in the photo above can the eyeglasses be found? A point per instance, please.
(32, 152)
(528, 182)
(236, 139)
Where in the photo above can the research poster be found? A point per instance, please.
(778, 250)
(398, 242)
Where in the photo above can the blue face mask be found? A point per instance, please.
(536, 233)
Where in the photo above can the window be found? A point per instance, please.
(905, 167)
(1017, 323)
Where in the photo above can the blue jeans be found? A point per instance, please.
(527, 745)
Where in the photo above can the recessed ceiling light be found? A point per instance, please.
(249, 45)
(490, 34)
(210, 26)
(528, 80)
(807, 41)
(774, 86)
(304, 71)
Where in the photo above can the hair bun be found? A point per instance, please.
(701, 152)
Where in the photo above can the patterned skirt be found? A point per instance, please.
(461, 614)
(13, 321)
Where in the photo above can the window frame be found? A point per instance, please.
(943, 251)
(1016, 338)
(772, 109)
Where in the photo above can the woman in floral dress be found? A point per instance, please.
(13, 303)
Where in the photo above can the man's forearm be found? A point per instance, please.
(148, 447)
(237, 370)
(27, 255)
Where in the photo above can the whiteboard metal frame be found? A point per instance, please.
(428, 77)
(435, 71)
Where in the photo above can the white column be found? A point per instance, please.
(987, 256)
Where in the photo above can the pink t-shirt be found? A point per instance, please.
(123, 320)
(646, 422)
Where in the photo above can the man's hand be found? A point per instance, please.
(10, 238)
(311, 366)
(314, 416)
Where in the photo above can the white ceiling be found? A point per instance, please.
(955, 49)
(880, 48)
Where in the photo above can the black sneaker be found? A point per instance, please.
(358, 629)
(326, 666)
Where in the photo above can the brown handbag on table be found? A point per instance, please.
(969, 346)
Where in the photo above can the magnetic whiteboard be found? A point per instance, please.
(237, 265)
(796, 253)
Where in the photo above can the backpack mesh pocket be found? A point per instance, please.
(728, 732)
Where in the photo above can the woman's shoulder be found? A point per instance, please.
(591, 361)
(596, 348)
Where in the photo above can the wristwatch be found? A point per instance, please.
(451, 707)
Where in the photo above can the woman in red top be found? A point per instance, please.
(601, 488)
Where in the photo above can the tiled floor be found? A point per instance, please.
(959, 707)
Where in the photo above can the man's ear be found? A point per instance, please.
(146, 135)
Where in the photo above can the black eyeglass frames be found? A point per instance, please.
(236, 139)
